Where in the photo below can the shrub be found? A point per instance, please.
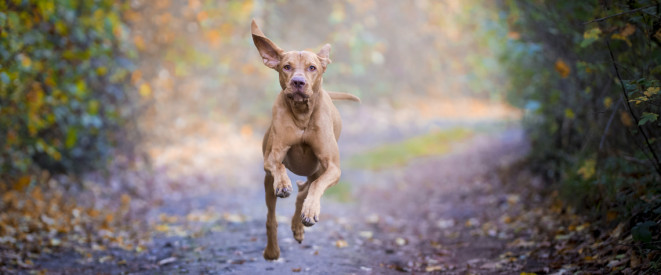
(63, 84)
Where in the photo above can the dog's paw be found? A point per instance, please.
(298, 231)
(271, 253)
(283, 188)
(310, 211)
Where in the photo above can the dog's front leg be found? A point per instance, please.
(329, 158)
(272, 251)
(275, 184)
(273, 164)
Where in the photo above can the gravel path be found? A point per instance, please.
(436, 214)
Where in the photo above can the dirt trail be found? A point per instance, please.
(437, 214)
(406, 219)
(390, 224)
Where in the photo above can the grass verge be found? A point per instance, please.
(400, 153)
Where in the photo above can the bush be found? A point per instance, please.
(593, 129)
(63, 83)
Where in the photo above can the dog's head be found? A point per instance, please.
(300, 71)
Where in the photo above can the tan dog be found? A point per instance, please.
(302, 136)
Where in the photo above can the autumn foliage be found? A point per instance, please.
(588, 75)
(63, 93)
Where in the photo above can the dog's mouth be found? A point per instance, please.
(298, 96)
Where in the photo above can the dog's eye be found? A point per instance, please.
(287, 67)
(312, 68)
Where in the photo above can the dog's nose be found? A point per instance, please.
(298, 81)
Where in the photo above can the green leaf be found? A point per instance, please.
(71, 137)
(641, 232)
(590, 36)
(647, 117)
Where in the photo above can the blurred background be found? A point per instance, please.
(137, 107)
(206, 81)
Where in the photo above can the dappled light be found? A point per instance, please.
(491, 137)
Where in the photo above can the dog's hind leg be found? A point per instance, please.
(272, 251)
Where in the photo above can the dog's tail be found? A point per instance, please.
(343, 96)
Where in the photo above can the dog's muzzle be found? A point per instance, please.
(298, 96)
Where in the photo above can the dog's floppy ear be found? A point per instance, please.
(324, 55)
(269, 51)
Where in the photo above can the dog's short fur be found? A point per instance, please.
(302, 136)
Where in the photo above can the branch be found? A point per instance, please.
(624, 91)
(618, 14)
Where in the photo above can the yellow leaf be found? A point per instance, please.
(341, 243)
(139, 43)
(25, 61)
(625, 118)
(608, 102)
(22, 183)
(145, 90)
(162, 228)
(587, 170)
(562, 68)
(569, 113)
(592, 33)
(651, 91)
(101, 70)
(621, 37)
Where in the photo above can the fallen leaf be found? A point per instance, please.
(513, 199)
(472, 222)
(341, 243)
(445, 224)
(366, 234)
(234, 218)
(145, 90)
(635, 260)
(167, 261)
(105, 259)
(491, 266)
(373, 218)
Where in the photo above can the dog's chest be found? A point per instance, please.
(300, 134)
